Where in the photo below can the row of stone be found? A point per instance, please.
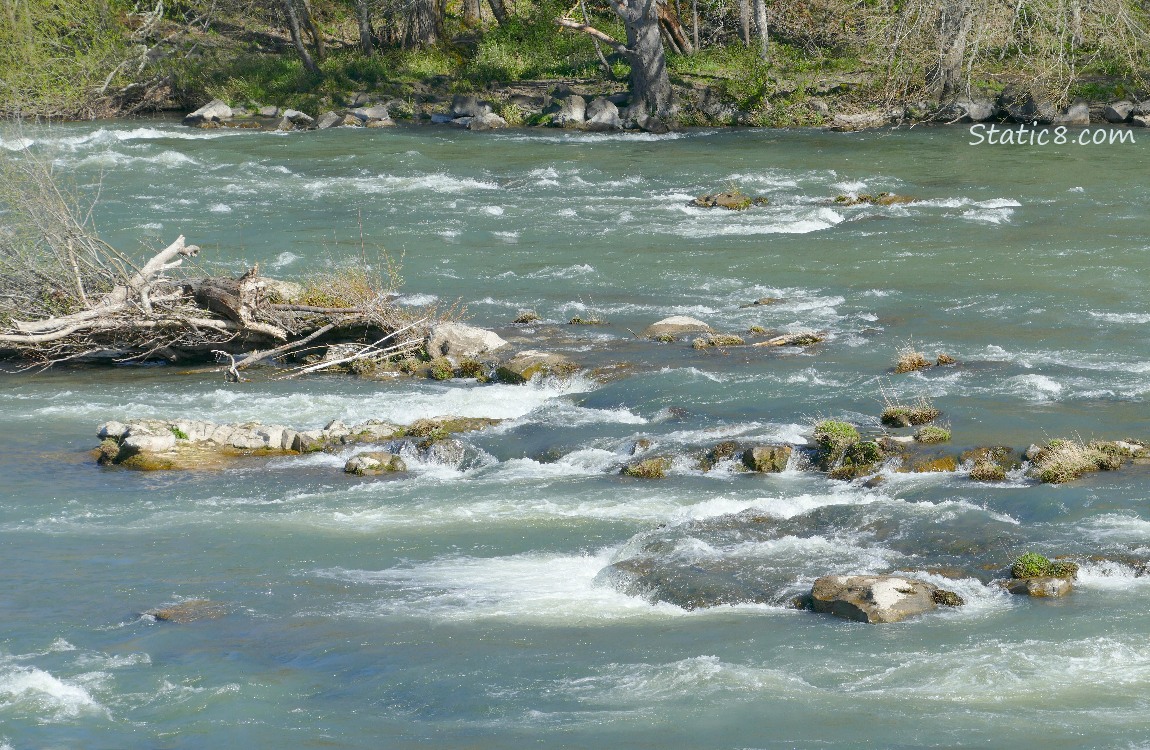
(217, 114)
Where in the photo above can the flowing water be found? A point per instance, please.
(470, 608)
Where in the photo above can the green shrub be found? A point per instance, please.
(835, 436)
(1034, 565)
(441, 368)
(931, 434)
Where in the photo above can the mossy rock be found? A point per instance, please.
(578, 321)
(648, 468)
(441, 368)
(439, 427)
(1034, 565)
(947, 598)
(732, 200)
(526, 318)
(722, 451)
(911, 361)
(932, 464)
(987, 471)
(931, 435)
(471, 368)
(767, 458)
(526, 365)
(835, 435)
(107, 451)
(895, 416)
(148, 462)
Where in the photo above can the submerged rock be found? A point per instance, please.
(732, 200)
(372, 464)
(189, 611)
(877, 599)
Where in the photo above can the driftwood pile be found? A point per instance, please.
(148, 313)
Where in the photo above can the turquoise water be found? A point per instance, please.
(469, 608)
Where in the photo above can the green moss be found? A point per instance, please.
(864, 453)
(987, 471)
(577, 321)
(895, 416)
(147, 462)
(470, 368)
(757, 330)
(648, 468)
(107, 452)
(722, 451)
(834, 435)
(526, 317)
(442, 369)
(931, 434)
(180, 434)
(1034, 565)
(664, 338)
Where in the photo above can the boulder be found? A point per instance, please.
(372, 464)
(1140, 121)
(329, 120)
(388, 123)
(767, 458)
(283, 292)
(527, 364)
(438, 119)
(1118, 111)
(977, 110)
(461, 341)
(350, 121)
(298, 118)
(860, 121)
(676, 325)
(147, 442)
(1022, 106)
(268, 111)
(603, 115)
(877, 599)
(489, 121)
(572, 112)
(112, 430)
(378, 112)
(468, 105)
(450, 452)
(285, 124)
(1040, 586)
(1076, 114)
(461, 122)
(652, 124)
(213, 111)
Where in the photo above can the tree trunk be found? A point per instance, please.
(650, 85)
(953, 29)
(745, 21)
(499, 10)
(471, 12)
(423, 23)
(669, 21)
(313, 31)
(363, 17)
(761, 23)
(289, 10)
(695, 22)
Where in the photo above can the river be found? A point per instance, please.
(468, 608)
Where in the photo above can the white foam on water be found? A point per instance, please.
(702, 223)
(220, 208)
(543, 588)
(1115, 527)
(565, 272)
(1130, 318)
(850, 186)
(698, 677)
(1030, 673)
(284, 259)
(583, 462)
(37, 692)
(493, 210)
(1039, 388)
(383, 184)
(417, 300)
(15, 144)
(1107, 575)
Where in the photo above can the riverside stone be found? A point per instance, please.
(875, 599)
(602, 114)
(214, 111)
(1118, 111)
(527, 364)
(329, 120)
(676, 325)
(572, 112)
(767, 458)
(469, 105)
(460, 341)
(1041, 586)
(375, 463)
(1075, 114)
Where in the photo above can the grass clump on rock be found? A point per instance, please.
(910, 359)
(835, 436)
(648, 468)
(899, 415)
(441, 368)
(931, 434)
(1034, 565)
(1066, 460)
(526, 317)
(987, 471)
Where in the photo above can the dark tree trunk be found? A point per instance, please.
(423, 23)
(953, 29)
(695, 22)
(761, 23)
(499, 10)
(471, 12)
(650, 85)
(363, 17)
(669, 21)
(289, 10)
(308, 18)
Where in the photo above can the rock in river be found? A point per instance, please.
(877, 599)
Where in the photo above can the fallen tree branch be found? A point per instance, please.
(595, 33)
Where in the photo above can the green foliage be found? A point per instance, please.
(55, 57)
(441, 368)
(533, 47)
(1034, 565)
(180, 434)
(931, 434)
(835, 436)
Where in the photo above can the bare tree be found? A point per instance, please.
(291, 14)
(363, 20)
(761, 24)
(954, 23)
